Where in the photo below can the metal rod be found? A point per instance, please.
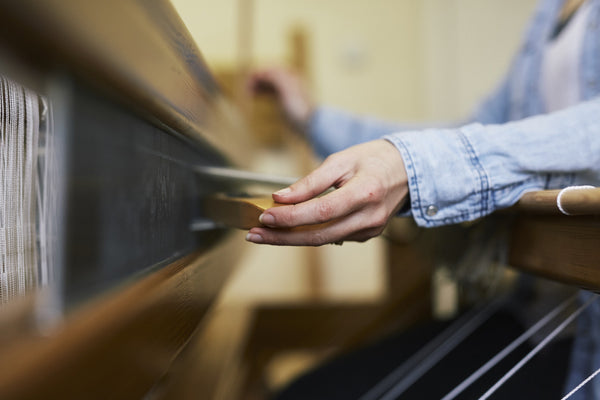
(237, 175)
(539, 347)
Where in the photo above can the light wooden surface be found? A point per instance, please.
(236, 212)
(574, 202)
(243, 212)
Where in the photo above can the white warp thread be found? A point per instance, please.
(569, 189)
(537, 348)
(508, 349)
(19, 135)
(411, 370)
(586, 380)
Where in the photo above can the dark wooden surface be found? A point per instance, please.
(139, 55)
(121, 344)
(139, 51)
(564, 248)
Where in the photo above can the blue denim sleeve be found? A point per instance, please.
(462, 174)
(332, 130)
(495, 108)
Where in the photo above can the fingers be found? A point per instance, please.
(350, 228)
(272, 79)
(372, 186)
(306, 208)
(337, 204)
(327, 175)
(289, 89)
(356, 191)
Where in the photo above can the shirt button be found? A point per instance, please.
(431, 210)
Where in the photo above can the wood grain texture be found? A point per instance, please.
(575, 202)
(237, 212)
(140, 55)
(243, 212)
(564, 248)
(120, 345)
(546, 242)
(138, 51)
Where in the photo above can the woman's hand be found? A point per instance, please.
(371, 187)
(290, 91)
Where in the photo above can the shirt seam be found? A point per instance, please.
(484, 184)
(414, 180)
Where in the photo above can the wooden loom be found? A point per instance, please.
(134, 64)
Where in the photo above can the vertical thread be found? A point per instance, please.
(19, 142)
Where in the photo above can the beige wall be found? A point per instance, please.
(399, 59)
(468, 46)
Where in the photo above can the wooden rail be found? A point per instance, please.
(547, 242)
(584, 201)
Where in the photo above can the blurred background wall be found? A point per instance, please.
(398, 59)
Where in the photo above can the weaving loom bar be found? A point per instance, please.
(585, 201)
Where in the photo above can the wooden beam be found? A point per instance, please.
(120, 345)
(139, 52)
(574, 202)
(564, 248)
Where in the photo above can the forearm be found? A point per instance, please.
(332, 130)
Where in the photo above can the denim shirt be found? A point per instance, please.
(510, 147)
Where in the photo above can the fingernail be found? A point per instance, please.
(283, 192)
(266, 219)
(254, 238)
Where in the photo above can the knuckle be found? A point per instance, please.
(272, 239)
(334, 162)
(308, 184)
(371, 193)
(331, 159)
(317, 239)
(374, 192)
(324, 210)
(378, 220)
(277, 242)
(287, 216)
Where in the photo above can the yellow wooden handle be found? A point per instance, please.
(243, 212)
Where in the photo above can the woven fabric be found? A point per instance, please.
(19, 183)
